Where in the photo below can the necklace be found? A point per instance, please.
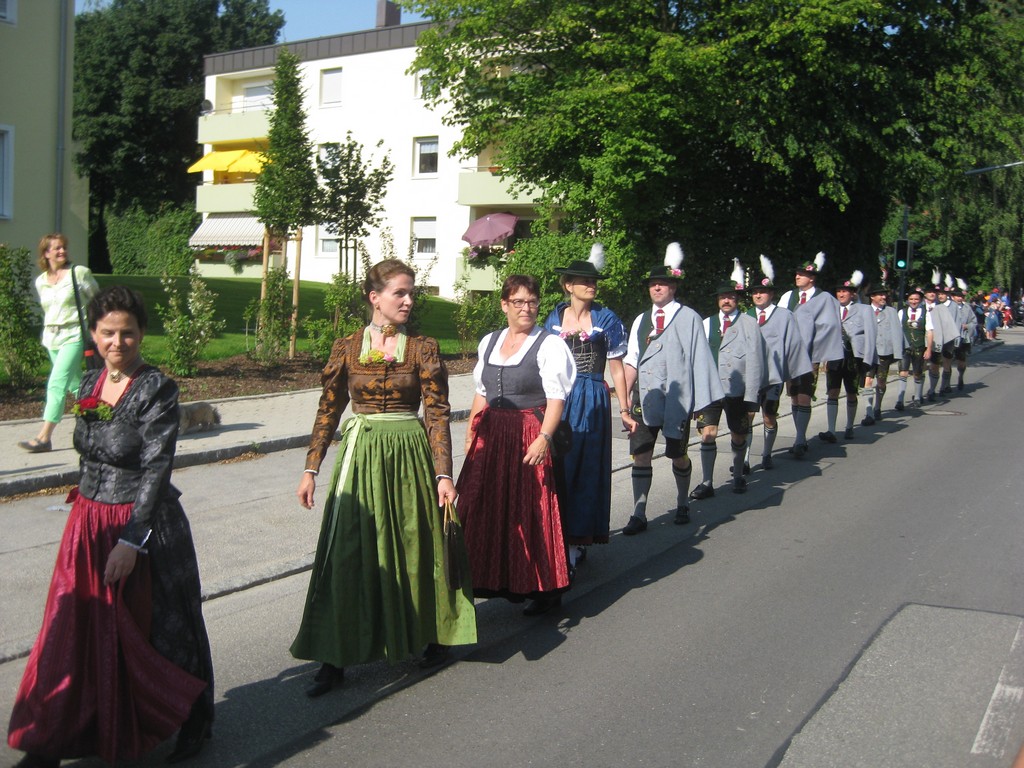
(389, 329)
(117, 376)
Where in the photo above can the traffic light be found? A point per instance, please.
(904, 254)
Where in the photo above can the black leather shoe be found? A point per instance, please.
(542, 604)
(946, 390)
(868, 421)
(931, 397)
(634, 526)
(739, 485)
(434, 656)
(827, 437)
(325, 679)
(960, 386)
(767, 462)
(682, 516)
(848, 434)
(899, 405)
(702, 491)
(798, 451)
(191, 738)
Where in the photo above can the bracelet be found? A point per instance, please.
(546, 436)
(311, 471)
(623, 410)
(439, 478)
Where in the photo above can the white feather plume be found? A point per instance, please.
(674, 256)
(961, 284)
(949, 280)
(856, 278)
(736, 278)
(767, 268)
(819, 260)
(935, 277)
(597, 256)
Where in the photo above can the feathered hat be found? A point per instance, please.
(735, 282)
(767, 279)
(853, 284)
(813, 268)
(947, 285)
(590, 268)
(960, 289)
(936, 285)
(671, 268)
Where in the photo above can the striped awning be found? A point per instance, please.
(227, 229)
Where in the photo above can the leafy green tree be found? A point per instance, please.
(189, 319)
(352, 193)
(735, 128)
(286, 190)
(21, 354)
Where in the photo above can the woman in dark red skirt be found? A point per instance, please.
(122, 660)
(507, 500)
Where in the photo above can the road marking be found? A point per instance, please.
(1004, 705)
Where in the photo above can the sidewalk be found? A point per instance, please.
(263, 424)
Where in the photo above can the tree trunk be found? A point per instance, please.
(266, 263)
(295, 294)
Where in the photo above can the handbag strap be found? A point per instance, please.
(78, 305)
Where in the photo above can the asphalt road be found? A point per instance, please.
(862, 607)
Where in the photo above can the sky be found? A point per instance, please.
(315, 18)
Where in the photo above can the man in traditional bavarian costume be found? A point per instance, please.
(817, 316)
(964, 319)
(670, 373)
(944, 334)
(859, 360)
(888, 345)
(915, 324)
(787, 354)
(739, 352)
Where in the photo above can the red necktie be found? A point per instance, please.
(761, 318)
(913, 315)
(844, 314)
(803, 297)
(877, 311)
(725, 325)
(659, 321)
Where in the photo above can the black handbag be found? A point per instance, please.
(453, 549)
(91, 355)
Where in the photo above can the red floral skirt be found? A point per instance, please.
(94, 685)
(509, 510)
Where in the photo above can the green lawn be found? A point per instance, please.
(235, 294)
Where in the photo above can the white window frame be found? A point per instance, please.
(424, 233)
(330, 246)
(6, 171)
(9, 11)
(331, 84)
(255, 104)
(418, 84)
(418, 154)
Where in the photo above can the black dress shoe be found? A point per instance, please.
(848, 434)
(868, 421)
(899, 405)
(960, 386)
(739, 485)
(434, 656)
(682, 516)
(827, 437)
(702, 491)
(325, 679)
(542, 604)
(634, 526)
(193, 735)
(767, 462)
(798, 451)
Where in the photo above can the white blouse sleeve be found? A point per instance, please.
(478, 369)
(557, 367)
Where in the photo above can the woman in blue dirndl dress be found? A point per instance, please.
(597, 338)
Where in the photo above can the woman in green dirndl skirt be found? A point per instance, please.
(377, 589)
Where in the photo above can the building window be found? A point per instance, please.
(9, 11)
(423, 82)
(6, 171)
(257, 97)
(329, 247)
(424, 237)
(330, 87)
(426, 156)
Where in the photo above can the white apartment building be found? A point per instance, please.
(354, 82)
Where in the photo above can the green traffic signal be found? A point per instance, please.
(904, 251)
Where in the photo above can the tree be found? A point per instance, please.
(351, 195)
(138, 85)
(736, 128)
(286, 190)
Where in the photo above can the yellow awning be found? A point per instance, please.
(217, 161)
(250, 162)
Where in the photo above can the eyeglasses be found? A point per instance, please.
(520, 303)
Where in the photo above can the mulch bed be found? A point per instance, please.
(231, 377)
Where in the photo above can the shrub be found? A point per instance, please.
(189, 321)
(21, 354)
(144, 244)
(271, 319)
(343, 301)
(476, 314)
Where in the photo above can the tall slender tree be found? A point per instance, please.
(286, 190)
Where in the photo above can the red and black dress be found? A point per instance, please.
(117, 669)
